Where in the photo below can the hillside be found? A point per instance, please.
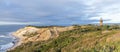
(88, 38)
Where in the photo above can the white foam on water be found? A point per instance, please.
(9, 35)
(5, 47)
(3, 36)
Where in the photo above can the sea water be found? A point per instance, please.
(6, 37)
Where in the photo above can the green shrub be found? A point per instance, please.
(87, 39)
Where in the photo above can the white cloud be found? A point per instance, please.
(33, 10)
(107, 9)
(18, 23)
(113, 18)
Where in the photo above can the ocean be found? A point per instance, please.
(6, 38)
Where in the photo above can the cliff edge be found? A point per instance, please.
(33, 34)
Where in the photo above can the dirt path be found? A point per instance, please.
(115, 37)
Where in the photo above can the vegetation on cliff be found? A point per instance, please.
(87, 38)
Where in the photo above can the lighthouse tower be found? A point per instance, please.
(101, 22)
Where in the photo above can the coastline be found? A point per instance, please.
(16, 42)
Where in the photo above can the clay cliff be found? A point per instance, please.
(27, 34)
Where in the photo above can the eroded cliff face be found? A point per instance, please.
(39, 34)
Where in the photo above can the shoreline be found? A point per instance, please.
(16, 42)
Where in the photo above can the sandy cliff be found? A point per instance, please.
(40, 34)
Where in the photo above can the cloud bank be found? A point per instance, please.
(58, 12)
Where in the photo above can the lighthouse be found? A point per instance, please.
(101, 22)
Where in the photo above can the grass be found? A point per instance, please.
(88, 39)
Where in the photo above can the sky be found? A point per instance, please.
(58, 12)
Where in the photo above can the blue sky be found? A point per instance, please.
(58, 12)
